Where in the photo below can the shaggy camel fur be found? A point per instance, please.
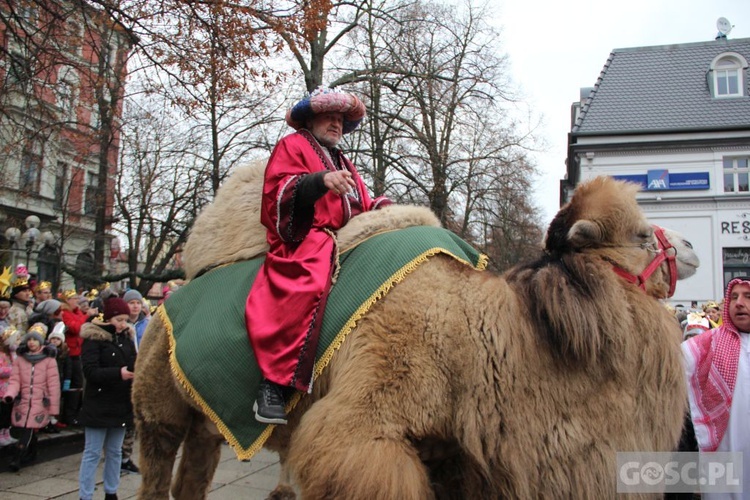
(460, 384)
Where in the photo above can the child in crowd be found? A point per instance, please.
(108, 358)
(8, 338)
(64, 368)
(34, 391)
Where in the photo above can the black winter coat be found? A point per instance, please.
(64, 364)
(106, 398)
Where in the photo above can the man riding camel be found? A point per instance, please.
(310, 190)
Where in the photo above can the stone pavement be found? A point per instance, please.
(58, 478)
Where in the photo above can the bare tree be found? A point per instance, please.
(440, 131)
(159, 190)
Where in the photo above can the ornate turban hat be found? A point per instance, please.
(325, 100)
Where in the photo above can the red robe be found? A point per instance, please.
(285, 305)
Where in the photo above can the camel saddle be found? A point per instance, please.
(211, 355)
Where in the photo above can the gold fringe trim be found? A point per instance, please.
(242, 453)
(325, 359)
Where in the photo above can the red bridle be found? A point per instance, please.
(662, 254)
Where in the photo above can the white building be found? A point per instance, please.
(676, 119)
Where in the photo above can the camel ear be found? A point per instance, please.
(584, 233)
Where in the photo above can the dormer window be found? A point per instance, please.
(728, 75)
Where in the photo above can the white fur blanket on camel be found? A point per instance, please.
(229, 229)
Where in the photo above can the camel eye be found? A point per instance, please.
(687, 244)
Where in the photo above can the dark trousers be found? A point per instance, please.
(5, 411)
(71, 400)
(25, 448)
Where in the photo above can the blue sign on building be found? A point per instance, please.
(662, 180)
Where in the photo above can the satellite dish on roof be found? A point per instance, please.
(724, 26)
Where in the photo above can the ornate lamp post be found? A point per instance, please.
(12, 234)
(31, 235)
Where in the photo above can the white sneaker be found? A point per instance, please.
(6, 440)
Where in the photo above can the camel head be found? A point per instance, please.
(603, 217)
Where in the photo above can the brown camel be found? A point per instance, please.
(461, 384)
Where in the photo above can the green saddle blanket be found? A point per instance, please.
(210, 353)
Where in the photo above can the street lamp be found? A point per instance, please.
(12, 234)
(31, 235)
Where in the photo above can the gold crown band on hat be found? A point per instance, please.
(38, 329)
(93, 294)
(68, 294)
(7, 333)
(21, 281)
(710, 305)
(44, 285)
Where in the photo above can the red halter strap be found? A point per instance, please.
(661, 255)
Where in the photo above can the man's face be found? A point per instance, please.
(73, 301)
(24, 295)
(739, 306)
(327, 128)
(135, 306)
(4, 309)
(42, 295)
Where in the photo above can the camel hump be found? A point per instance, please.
(229, 229)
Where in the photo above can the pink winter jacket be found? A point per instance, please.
(38, 385)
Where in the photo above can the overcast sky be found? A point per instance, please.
(558, 46)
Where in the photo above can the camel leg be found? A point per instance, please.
(341, 451)
(162, 415)
(159, 443)
(201, 452)
(283, 490)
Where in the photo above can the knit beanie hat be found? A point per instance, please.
(9, 335)
(132, 295)
(58, 332)
(115, 306)
(48, 307)
(37, 331)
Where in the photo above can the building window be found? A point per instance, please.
(728, 75)
(67, 84)
(61, 180)
(92, 185)
(736, 263)
(19, 62)
(31, 172)
(736, 175)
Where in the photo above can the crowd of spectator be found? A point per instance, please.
(67, 361)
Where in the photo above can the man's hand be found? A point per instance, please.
(339, 182)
